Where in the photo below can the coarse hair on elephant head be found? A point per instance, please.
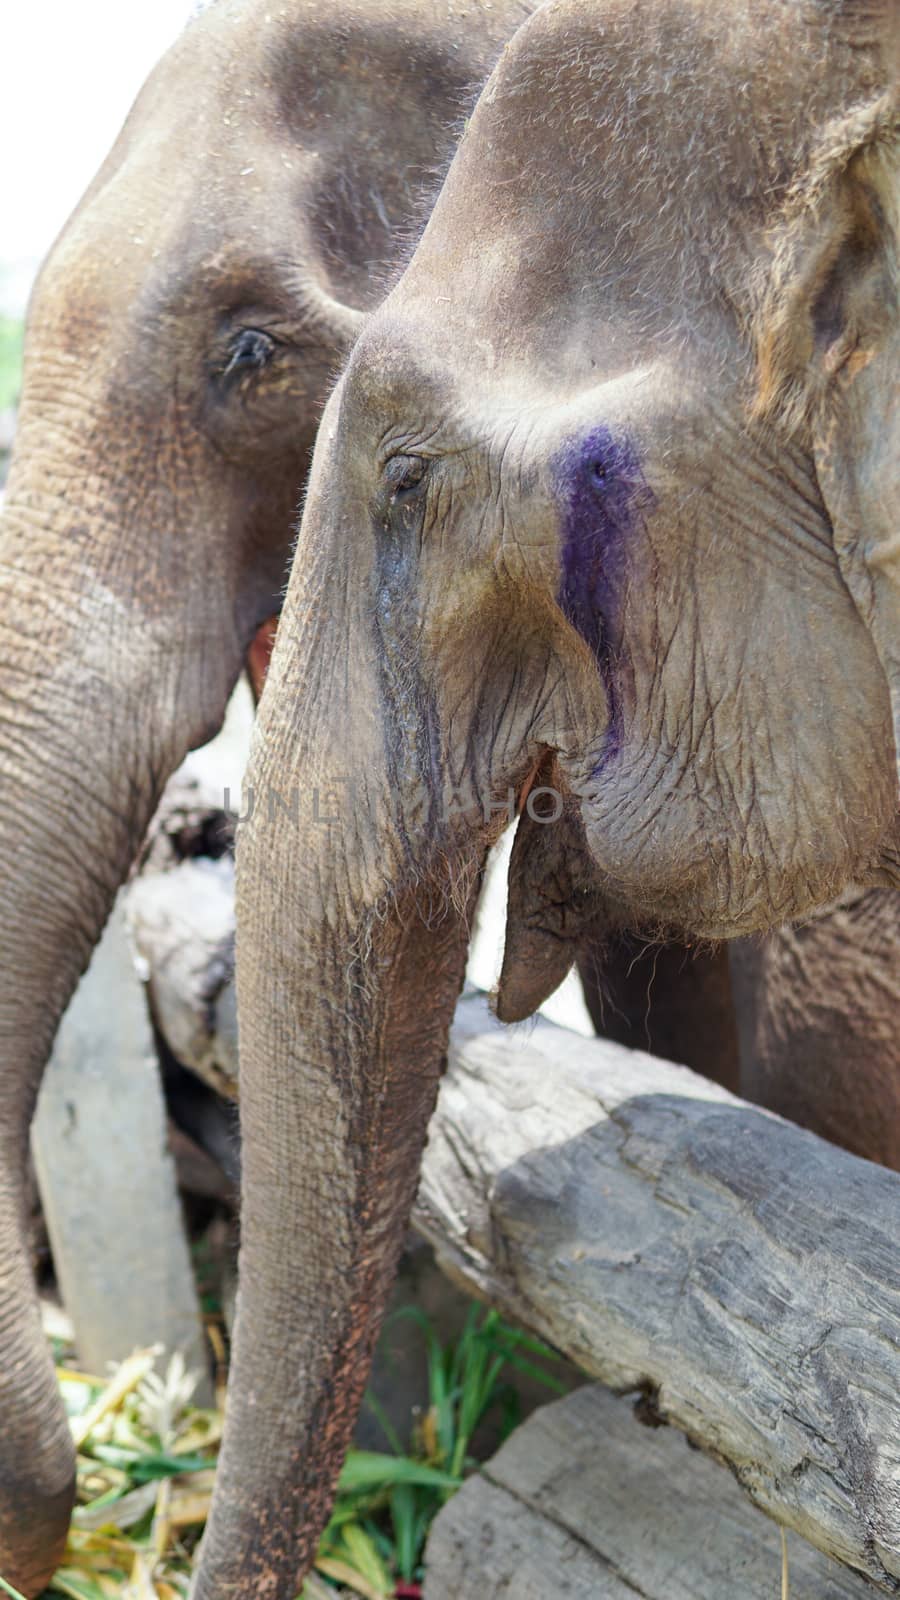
(181, 340)
(570, 527)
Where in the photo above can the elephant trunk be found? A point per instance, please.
(344, 921)
(89, 696)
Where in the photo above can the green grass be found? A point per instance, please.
(468, 1379)
(11, 336)
(146, 1460)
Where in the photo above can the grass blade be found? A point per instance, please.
(365, 1469)
(373, 1404)
(405, 1524)
(344, 1574)
(8, 1589)
(529, 1369)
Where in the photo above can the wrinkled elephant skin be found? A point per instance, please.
(181, 340)
(609, 481)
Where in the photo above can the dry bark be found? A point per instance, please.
(671, 1239)
(584, 1504)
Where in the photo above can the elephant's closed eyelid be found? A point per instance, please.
(405, 472)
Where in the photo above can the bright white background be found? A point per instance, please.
(71, 69)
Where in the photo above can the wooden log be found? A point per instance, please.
(180, 911)
(582, 1503)
(182, 924)
(190, 820)
(671, 1239)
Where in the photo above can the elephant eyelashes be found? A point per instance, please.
(249, 351)
(404, 488)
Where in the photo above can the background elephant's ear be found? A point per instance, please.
(339, 323)
(829, 354)
(857, 455)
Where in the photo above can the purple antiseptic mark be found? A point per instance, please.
(604, 495)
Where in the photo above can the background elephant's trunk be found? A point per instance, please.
(341, 931)
(98, 702)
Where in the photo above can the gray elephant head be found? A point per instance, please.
(605, 504)
(181, 341)
(624, 474)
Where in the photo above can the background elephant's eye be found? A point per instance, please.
(249, 351)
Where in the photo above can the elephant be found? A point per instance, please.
(181, 340)
(794, 992)
(604, 504)
(802, 1020)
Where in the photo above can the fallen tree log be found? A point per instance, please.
(182, 927)
(180, 912)
(582, 1503)
(671, 1239)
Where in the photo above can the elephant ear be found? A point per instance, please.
(829, 355)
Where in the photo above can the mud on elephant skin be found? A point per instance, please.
(181, 339)
(604, 460)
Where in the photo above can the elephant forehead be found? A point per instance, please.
(624, 163)
(398, 378)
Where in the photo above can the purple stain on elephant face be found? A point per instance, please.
(604, 496)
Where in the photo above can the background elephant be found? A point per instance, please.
(587, 507)
(802, 1020)
(818, 1020)
(181, 339)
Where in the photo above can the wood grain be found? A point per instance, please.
(583, 1503)
(669, 1238)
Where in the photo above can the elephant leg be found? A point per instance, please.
(664, 998)
(817, 1012)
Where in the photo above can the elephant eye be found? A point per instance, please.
(404, 476)
(403, 494)
(249, 351)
